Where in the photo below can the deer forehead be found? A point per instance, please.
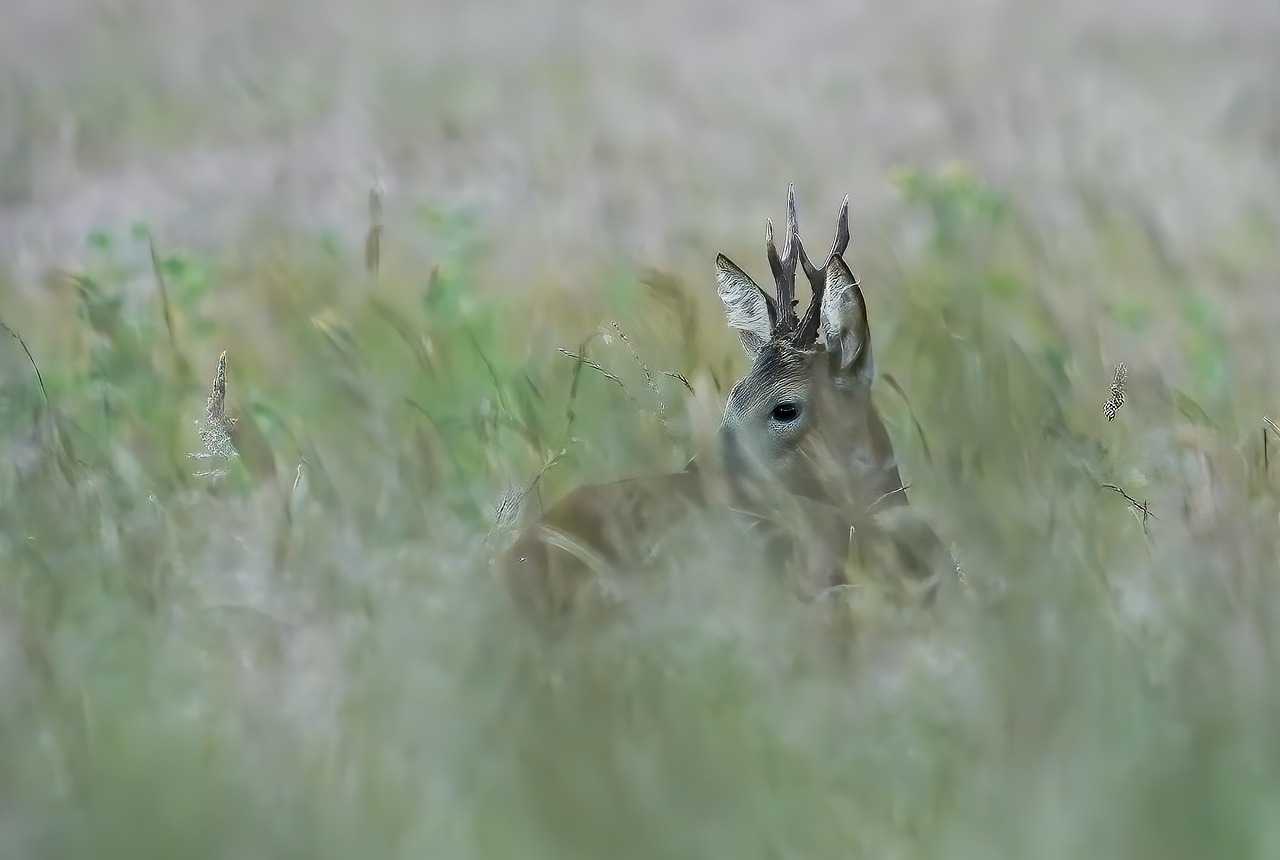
(779, 372)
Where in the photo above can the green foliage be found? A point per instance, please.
(957, 202)
(308, 655)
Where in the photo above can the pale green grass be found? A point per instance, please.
(309, 656)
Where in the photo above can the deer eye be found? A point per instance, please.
(785, 413)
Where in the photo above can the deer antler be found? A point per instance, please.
(784, 267)
(807, 331)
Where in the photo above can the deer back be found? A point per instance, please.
(580, 545)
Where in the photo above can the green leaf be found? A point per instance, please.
(1190, 409)
(99, 240)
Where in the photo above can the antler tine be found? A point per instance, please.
(784, 267)
(807, 332)
(771, 251)
(791, 248)
(793, 227)
(816, 274)
(812, 272)
(841, 242)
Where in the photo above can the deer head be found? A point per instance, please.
(802, 418)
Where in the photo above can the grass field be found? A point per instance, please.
(273, 631)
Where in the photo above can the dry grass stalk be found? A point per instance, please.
(579, 360)
(22, 343)
(660, 411)
(681, 378)
(582, 361)
(889, 494)
(893, 383)
(671, 293)
(1267, 424)
(506, 514)
(215, 430)
(644, 368)
(180, 362)
(649, 377)
(373, 239)
(416, 343)
(1116, 398)
(66, 457)
(1142, 508)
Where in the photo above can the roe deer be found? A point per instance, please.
(800, 450)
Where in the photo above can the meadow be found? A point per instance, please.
(466, 267)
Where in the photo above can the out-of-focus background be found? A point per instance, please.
(282, 637)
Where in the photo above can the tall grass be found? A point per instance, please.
(303, 652)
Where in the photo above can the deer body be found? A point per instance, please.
(592, 531)
(801, 450)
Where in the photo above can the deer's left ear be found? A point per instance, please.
(747, 308)
(844, 324)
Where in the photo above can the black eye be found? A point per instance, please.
(786, 412)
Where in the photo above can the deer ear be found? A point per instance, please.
(844, 322)
(747, 308)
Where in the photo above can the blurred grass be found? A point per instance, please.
(309, 656)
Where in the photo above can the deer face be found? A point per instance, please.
(802, 418)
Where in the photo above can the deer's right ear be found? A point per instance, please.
(844, 322)
(747, 308)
